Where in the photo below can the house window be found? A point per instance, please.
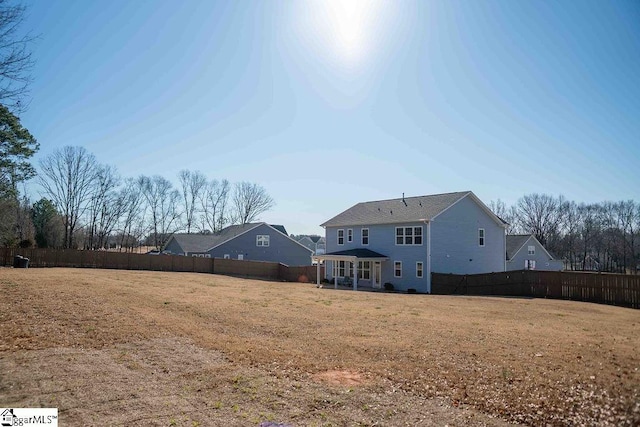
(365, 236)
(531, 250)
(364, 270)
(227, 256)
(529, 264)
(349, 235)
(338, 268)
(419, 269)
(480, 236)
(262, 240)
(341, 237)
(397, 269)
(408, 235)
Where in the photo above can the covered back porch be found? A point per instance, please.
(353, 265)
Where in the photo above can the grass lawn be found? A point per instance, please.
(111, 347)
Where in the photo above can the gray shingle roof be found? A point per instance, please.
(515, 242)
(204, 242)
(409, 209)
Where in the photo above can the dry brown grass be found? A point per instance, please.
(114, 347)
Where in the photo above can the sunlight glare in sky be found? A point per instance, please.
(345, 30)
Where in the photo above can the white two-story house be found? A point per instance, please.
(401, 241)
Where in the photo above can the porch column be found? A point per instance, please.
(355, 274)
(318, 273)
(335, 277)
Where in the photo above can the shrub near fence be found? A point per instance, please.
(132, 261)
(604, 288)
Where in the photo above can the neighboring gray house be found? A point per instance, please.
(525, 252)
(401, 241)
(315, 243)
(255, 242)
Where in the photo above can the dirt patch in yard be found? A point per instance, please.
(112, 347)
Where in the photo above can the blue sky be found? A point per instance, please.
(327, 104)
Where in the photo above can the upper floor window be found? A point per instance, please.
(365, 236)
(531, 250)
(350, 235)
(262, 240)
(480, 236)
(408, 235)
(341, 237)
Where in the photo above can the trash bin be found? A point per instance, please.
(20, 262)
(16, 261)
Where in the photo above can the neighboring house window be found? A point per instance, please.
(480, 236)
(338, 268)
(341, 237)
(364, 270)
(409, 235)
(529, 264)
(349, 235)
(262, 240)
(531, 250)
(397, 269)
(365, 236)
(419, 269)
(227, 256)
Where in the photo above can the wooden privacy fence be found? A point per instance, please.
(131, 261)
(604, 288)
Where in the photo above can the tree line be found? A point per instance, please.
(601, 236)
(88, 205)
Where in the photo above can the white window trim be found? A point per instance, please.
(362, 237)
(421, 269)
(263, 240)
(531, 250)
(338, 236)
(349, 235)
(362, 270)
(395, 269)
(482, 237)
(227, 256)
(413, 236)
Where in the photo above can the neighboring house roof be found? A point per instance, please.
(515, 242)
(280, 228)
(205, 242)
(404, 209)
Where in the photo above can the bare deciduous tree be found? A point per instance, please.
(193, 184)
(15, 57)
(132, 218)
(249, 201)
(67, 178)
(539, 214)
(162, 200)
(214, 200)
(105, 207)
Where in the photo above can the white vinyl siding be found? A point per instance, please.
(409, 236)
